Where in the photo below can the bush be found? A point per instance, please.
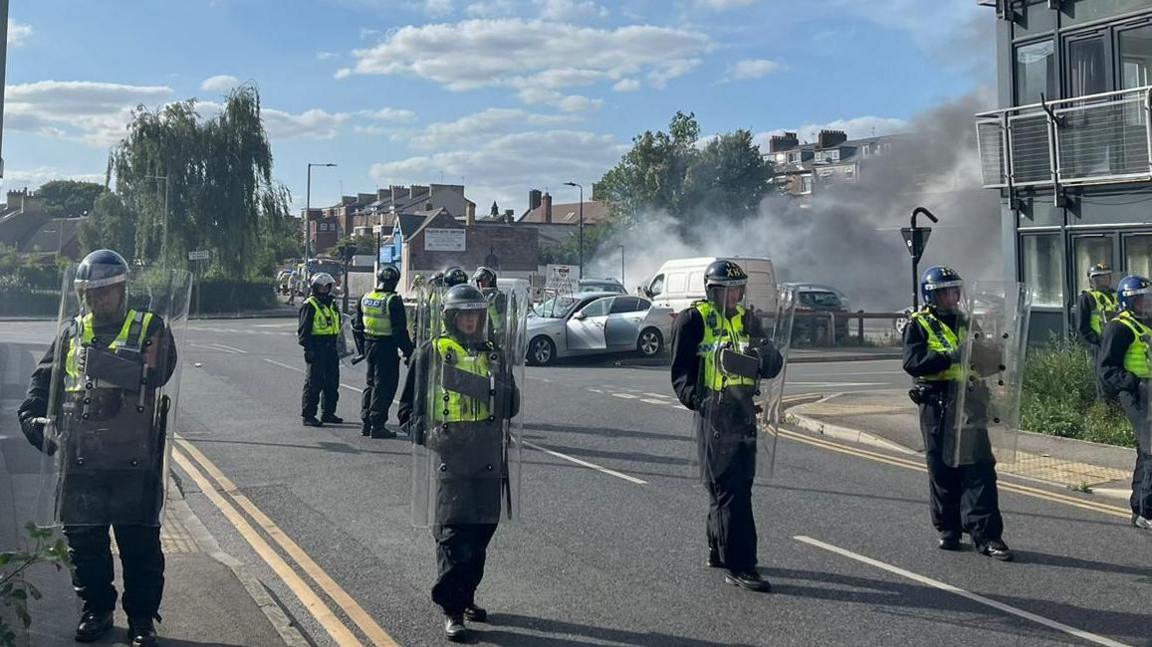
(219, 295)
(1059, 397)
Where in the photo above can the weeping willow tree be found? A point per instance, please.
(202, 184)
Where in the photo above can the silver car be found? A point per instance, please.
(596, 322)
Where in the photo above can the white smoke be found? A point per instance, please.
(848, 235)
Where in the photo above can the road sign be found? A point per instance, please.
(916, 239)
(200, 255)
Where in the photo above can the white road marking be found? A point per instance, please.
(845, 373)
(293, 368)
(214, 348)
(626, 396)
(835, 384)
(605, 470)
(238, 350)
(659, 395)
(1000, 606)
(651, 401)
(596, 391)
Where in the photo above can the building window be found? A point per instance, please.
(1135, 56)
(1138, 255)
(793, 158)
(1035, 72)
(1087, 66)
(1082, 11)
(1090, 250)
(849, 172)
(805, 184)
(1043, 263)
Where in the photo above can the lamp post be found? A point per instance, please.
(622, 267)
(308, 213)
(580, 265)
(167, 216)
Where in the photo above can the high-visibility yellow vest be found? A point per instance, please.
(375, 308)
(450, 406)
(1105, 310)
(720, 331)
(326, 322)
(941, 339)
(1136, 359)
(85, 336)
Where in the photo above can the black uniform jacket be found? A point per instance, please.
(304, 334)
(399, 327)
(1085, 306)
(919, 359)
(414, 395)
(1114, 344)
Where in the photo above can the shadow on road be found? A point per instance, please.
(597, 634)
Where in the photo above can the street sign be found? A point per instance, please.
(916, 239)
(200, 255)
(444, 240)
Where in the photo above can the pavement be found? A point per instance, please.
(609, 545)
(887, 418)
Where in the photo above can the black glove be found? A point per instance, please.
(309, 356)
(28, 412)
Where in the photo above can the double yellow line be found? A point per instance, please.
(223, 493)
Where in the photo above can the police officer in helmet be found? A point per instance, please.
(726, 413)
(380, 330)
(318, 333)
(963, 498)
(1096, 306)
(454, 276)
(485, 280)
(1124, 373)
(92, 496)
(462, 426)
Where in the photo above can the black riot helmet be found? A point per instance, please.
(461, 299)
(454, 276)
(101, 283)
(436, 280)
(724, 283)
(484, 278)
(387, 277)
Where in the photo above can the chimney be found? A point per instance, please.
(495, 210)
(383, 194)
(547, 204)
(831, 138)
(534, 197)
(417, 190)
(469, 217)
(399, 193)
(782, 142)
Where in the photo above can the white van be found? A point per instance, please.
(680, 282)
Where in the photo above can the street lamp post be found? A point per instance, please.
(167, 217)
(308, 213)
(580, 265)
(622, 282)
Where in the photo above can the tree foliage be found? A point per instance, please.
(69, 198)
(190, 183)
(111, 225)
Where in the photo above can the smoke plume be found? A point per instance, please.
(847, 235)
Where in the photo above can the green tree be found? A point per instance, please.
(202, 184)
(650, 176)
(111, 224)
(69, 198)
(729, 176)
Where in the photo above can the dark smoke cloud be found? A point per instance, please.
(848, 235)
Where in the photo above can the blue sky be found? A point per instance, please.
(504, 95)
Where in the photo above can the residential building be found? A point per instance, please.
(803, 168)
(365, 213)
(1068, 149)
(26, 226)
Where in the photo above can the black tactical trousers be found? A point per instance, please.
(383, 378)
(140, 557)
(322, 379)
(461, 550)
(962, 499)
(1141, 499)
(731, 526)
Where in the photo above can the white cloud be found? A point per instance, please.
(504, 168)
(29, 178)
(439, 7)
(751, 69)
(525, 53)
(90, 112)
(570, 9)
(726, 4)
(855, 128)
(564, 102)
(478, 126)
(310, 124)
(389, 114)
(219, 83)
(626, 85)
(560, 10)
(18, 33)
(326, 56)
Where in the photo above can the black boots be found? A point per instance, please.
(93, 625)
(142, 633)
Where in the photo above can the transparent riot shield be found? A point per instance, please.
(987, 411)
(466, 431)
(345, 346)
(113, 398)
(776, 342)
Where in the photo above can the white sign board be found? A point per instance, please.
(201, 255)
(444, 240)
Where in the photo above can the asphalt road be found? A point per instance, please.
(610, 546)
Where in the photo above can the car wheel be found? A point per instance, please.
(650, 342)
(541, 351)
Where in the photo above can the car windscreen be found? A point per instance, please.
(820, 299)
(556, 307)
(601, 286)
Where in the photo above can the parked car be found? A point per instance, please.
(593, 323)
(813, 297)
(680, 282)
(602, 285)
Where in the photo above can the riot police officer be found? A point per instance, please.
(380, 330)
(485, 280)
(456, 402)
(454, 276)
(1124, 372)
(318, 333)
(1096, 306)
(705, 337)
(111, 363)
(963, 498)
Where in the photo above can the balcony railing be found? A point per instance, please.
(1096, 139)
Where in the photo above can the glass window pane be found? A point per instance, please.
(1082, 11)
(598, 308)
(1087, 67)
(1135, 56)
(1138, 255)
(1090, 251)
(1044, 269)
(1035, 72)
